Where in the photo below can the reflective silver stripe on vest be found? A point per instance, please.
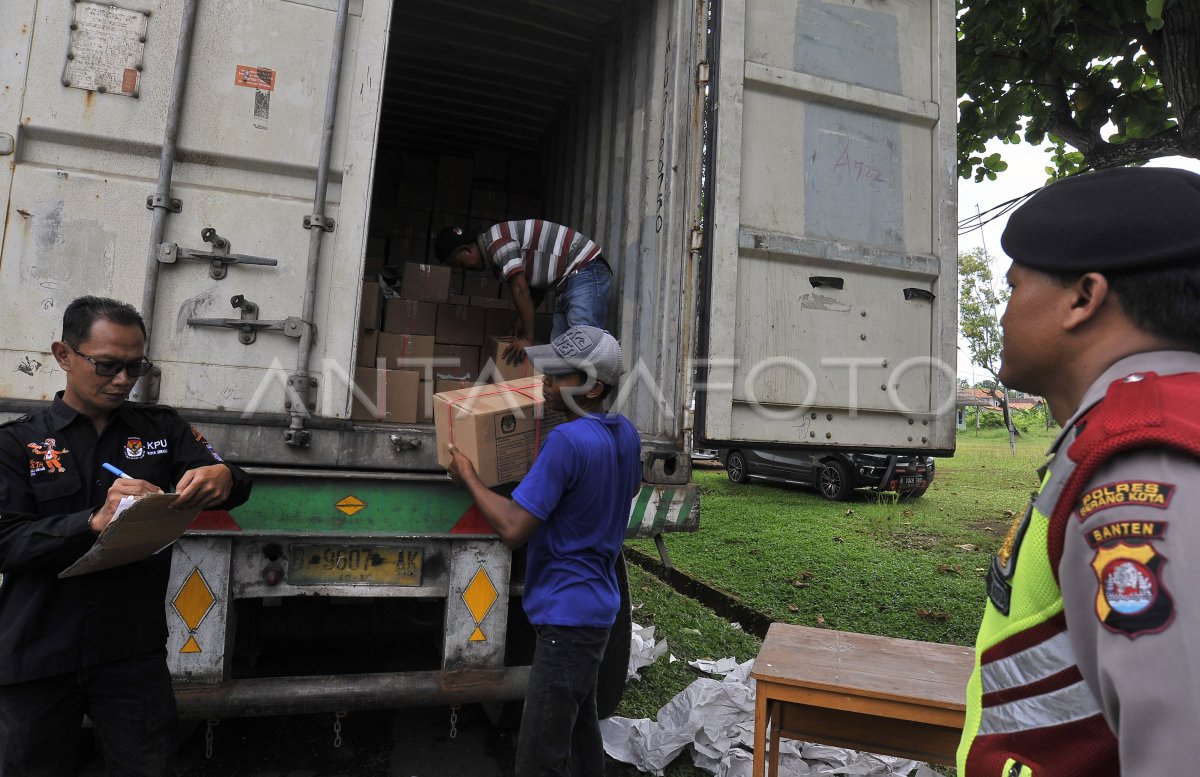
(1030, 665)
(1066, 705)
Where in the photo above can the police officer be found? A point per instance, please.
(1086, 657)
(94, 643)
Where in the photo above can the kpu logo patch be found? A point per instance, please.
(1130, 596)
(134, 448)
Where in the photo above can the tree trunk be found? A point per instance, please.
(1180, 69)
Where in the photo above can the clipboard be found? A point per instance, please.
(140, 528)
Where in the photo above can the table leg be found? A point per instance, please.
(776, 716)
(760, 730)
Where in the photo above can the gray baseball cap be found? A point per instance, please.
(585, 348)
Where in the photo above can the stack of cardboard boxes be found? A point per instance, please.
(424, 328)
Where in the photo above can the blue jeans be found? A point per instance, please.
(583, 300)
(560, 735)
(131, 705)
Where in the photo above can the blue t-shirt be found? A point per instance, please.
(581, 487)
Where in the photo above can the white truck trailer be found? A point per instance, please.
(773, 183)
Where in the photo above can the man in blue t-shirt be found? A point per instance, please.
(572, 509)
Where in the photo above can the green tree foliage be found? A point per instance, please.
(979, 320)
(1116, 81)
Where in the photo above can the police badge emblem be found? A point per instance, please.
(1130, 596)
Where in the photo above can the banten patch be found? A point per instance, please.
(1130, 597)
(1136, 531)
(1142, 493)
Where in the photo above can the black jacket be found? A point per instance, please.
(51, 481)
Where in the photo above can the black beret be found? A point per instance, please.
(449, 239)
(1123, 218)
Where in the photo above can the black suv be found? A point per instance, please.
(834, 474)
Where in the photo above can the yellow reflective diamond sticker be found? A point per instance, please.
(479, 597)
(350, 505)
(477, 635)
(191, 646)
(194, 599)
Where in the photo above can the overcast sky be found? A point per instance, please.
(1026, 171)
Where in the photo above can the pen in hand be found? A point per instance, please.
(116, 471)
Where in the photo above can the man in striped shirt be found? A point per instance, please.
(532, 256)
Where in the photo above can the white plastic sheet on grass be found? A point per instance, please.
(716, 719)
(643, 650)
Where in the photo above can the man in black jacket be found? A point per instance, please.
(94, 643)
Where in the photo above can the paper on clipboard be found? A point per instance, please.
(140, 528)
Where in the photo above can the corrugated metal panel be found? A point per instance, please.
(492, 75)
(624, 163)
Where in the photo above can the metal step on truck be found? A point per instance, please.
(773, 184)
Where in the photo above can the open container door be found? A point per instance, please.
(832, 272)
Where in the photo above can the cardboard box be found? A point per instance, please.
(457, 299)
(368, 343)
(409, 316)
(425, 282)
(425, 403)
(385, 395)
(372, 303)
(499, 428)
(416, 195)
(460, 324)
(502, 370)
(452, 197)
(491, 303)
(412, 353)
(464, 358)
(498, 323)
(478, 284)
(455, 169)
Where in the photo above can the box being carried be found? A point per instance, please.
(499, 427)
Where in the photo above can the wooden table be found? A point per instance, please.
(858, 691)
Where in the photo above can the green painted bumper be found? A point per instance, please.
(290, 505)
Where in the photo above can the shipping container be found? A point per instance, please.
(773, 184)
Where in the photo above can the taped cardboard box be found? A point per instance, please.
(409, 317)
(385, 395)
(455, 362)
(498, 323)
(368, 344)
(500, 428)
(502, 370)
(412, 353)
(372, 304)
(425, 282)
(460, 325)
(478, 284)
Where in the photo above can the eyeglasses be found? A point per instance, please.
(107, 369)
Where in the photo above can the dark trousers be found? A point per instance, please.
(560, 735)
(130, 703)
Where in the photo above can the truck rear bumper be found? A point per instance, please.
(330, 693)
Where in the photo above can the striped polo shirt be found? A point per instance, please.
(546, 252)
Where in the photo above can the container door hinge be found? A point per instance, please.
(173, 204)
(697, 239)
(249, 325)
(8, 144)
(302, 390)
(219, 258)
(702, 73)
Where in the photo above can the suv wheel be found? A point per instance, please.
(735, 467)
(833, 481)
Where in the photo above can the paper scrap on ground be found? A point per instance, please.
(716, 718)
(643, 650)
(140, 528)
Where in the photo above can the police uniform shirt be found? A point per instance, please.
(1129, 574)
(51, 482)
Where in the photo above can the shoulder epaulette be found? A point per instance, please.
(18, 420)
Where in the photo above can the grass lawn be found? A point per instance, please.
(912, 569)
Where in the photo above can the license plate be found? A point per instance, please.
(910, 481)
(353, 565)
